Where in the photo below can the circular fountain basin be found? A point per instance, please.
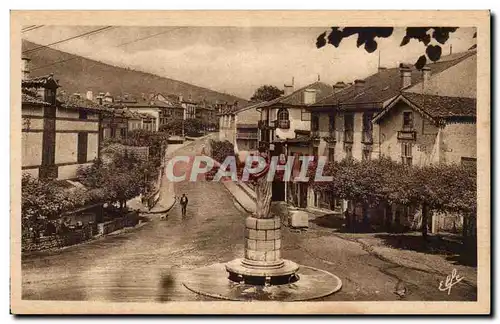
(213, 281)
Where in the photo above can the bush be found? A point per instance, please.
(221, 150)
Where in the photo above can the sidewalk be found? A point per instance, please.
(240, 196)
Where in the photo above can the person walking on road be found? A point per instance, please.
(184, 202)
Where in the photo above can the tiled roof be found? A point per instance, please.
(29, 99)
(40, 81)
(323, 90)
(77, 101)
(386, 84)
(442, 106)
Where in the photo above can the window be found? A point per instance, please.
(282, 114)
(305, 115)
(348, 128)
(331, 154)
(123, 132)
(82, 147)
(349, 122)
(348, 152)
(113, 132)
(314, 122)
(331, 123)
(407, 120)
(406, 153)
(82, 114)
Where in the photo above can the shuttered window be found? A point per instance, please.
(82, 147)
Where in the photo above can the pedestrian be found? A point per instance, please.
(184, 202)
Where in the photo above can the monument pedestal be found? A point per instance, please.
(262, 264)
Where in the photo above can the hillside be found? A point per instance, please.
(79, 74)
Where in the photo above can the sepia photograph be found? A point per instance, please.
(336, 160)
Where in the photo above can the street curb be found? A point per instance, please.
(236, 199)
(161, 211)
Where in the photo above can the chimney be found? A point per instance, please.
(90, 95)
(339, 86)
(289, 88)
(426, 77)
(405, 72)
(25, 68)
(359, 84)
(309, 96)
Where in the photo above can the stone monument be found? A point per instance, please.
(262, 263)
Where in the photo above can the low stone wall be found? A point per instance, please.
(129, 220)
(79, 235)
(71, 237)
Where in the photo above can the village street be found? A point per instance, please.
(150, 263)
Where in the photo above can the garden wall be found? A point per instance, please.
(80, 235)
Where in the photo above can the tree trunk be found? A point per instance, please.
(425, 219)
(264, 194)
(347, 220)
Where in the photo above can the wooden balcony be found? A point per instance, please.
(348, 136)
(407, 135)
(367, 137)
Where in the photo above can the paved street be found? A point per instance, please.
(149, 263)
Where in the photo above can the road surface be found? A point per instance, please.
(149, 263)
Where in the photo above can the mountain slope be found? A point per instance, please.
(79, 74)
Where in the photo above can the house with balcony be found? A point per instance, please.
(400, 113)
(285, 124)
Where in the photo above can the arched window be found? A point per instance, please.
(283, 114)
(282, 120)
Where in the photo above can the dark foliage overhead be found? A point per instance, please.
(367, 36)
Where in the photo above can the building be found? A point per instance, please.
(170, 108)
(341, 123)
(189, 107)
(285, 124)
(240, 127)
(433, 121)
(413, 117)
(60, 132)
(137, 114)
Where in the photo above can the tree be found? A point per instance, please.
(367, 36)
(266, 93)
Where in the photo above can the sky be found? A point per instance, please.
(237, 60)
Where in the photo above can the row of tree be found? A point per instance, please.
(192, 127)
(383, 183)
